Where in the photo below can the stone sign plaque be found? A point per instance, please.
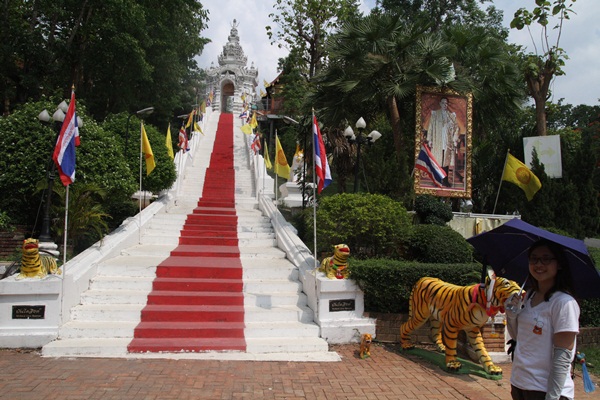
(28, 312)
(342, 305)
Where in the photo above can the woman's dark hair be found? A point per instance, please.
(563, 281)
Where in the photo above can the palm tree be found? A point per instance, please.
(375, 63)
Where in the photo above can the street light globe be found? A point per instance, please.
(44, 116)
(374, 136)
(348, 133)
(361, 124)
(59, 115)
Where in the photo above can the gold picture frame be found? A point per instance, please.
(443, 142)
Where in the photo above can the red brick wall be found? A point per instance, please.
(388, 330)
(10, 241)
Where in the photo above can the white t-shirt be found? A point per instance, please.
(536, 328)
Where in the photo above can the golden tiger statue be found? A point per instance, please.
(337, 265)
(451, 308)
(33, 265)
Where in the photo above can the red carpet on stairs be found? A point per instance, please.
(196, 303)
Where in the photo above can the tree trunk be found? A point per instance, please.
(396, 124)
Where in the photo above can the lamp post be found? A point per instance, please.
(58, 117)
(140, 113)
(360, 140)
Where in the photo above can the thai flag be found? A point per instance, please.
(428, 164)
(184, 144)
(64, 151)
(255, 146)
(244, 114)
(322, 170)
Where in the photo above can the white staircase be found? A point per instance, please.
(278, 323)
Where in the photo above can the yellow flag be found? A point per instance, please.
(516, 172)
(190, 118)
(267, 158)
(247, 129)
(282, 168)
(147, 150)
(253, 121)
(197, 128)
(203, 106)
(169, 143)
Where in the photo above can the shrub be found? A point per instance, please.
(387, 283)
(371, 225)
(432, 210)
(438, 244)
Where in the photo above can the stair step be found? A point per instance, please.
(97, 329)
(214, 313)
(155, 345)
(190, 329)
(187, 250)
(195, 298)
(198, 284)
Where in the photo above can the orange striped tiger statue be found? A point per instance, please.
(451, 308)
(33, 265)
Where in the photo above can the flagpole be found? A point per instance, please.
(140, 194)
(66, 229)
(314, 190)
(500, 186)
(276, 168)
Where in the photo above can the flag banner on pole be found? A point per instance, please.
(255, 146)
(244, 114)
(253, 121)
(183, 140)
(190, 118)
(267, 158)
(516, 172)
(197, 128)
(247, 129)
(169, 143)
(64, 151)
(282, 167)
(427, 163)
(322, 170)
(147, 150)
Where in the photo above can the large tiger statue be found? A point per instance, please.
(451, 308)
(34, 265)
(336, 266)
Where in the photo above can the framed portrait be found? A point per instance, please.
(443, 142)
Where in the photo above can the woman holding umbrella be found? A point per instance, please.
(545, 326)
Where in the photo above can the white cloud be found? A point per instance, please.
(580, 40)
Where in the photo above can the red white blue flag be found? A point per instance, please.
(322, 170)
(64, 151)
(427, 163)
(184, 144)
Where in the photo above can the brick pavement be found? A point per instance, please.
(386, 375)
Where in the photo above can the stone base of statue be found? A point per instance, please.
(291, 194)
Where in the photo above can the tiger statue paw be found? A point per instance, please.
(336, 266)
(34, 265)
(451, 308)
(493, 369)
(453, 365)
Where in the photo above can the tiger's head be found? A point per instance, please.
(341, 252)
(502, 289)
(30, 247)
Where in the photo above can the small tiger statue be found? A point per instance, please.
(451, 308)
(34, 265)
(336, 267)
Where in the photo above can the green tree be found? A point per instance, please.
(547, 61)
(303, 26)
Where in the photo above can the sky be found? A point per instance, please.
(580, 39)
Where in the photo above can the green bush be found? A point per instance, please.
(387, 283)
(371, 225)
(432, 210)
(438, 244)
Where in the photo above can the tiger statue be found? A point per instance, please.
(451, 308)
(337, 265)
(33, 265)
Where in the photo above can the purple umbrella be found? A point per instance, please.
(506, 247)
